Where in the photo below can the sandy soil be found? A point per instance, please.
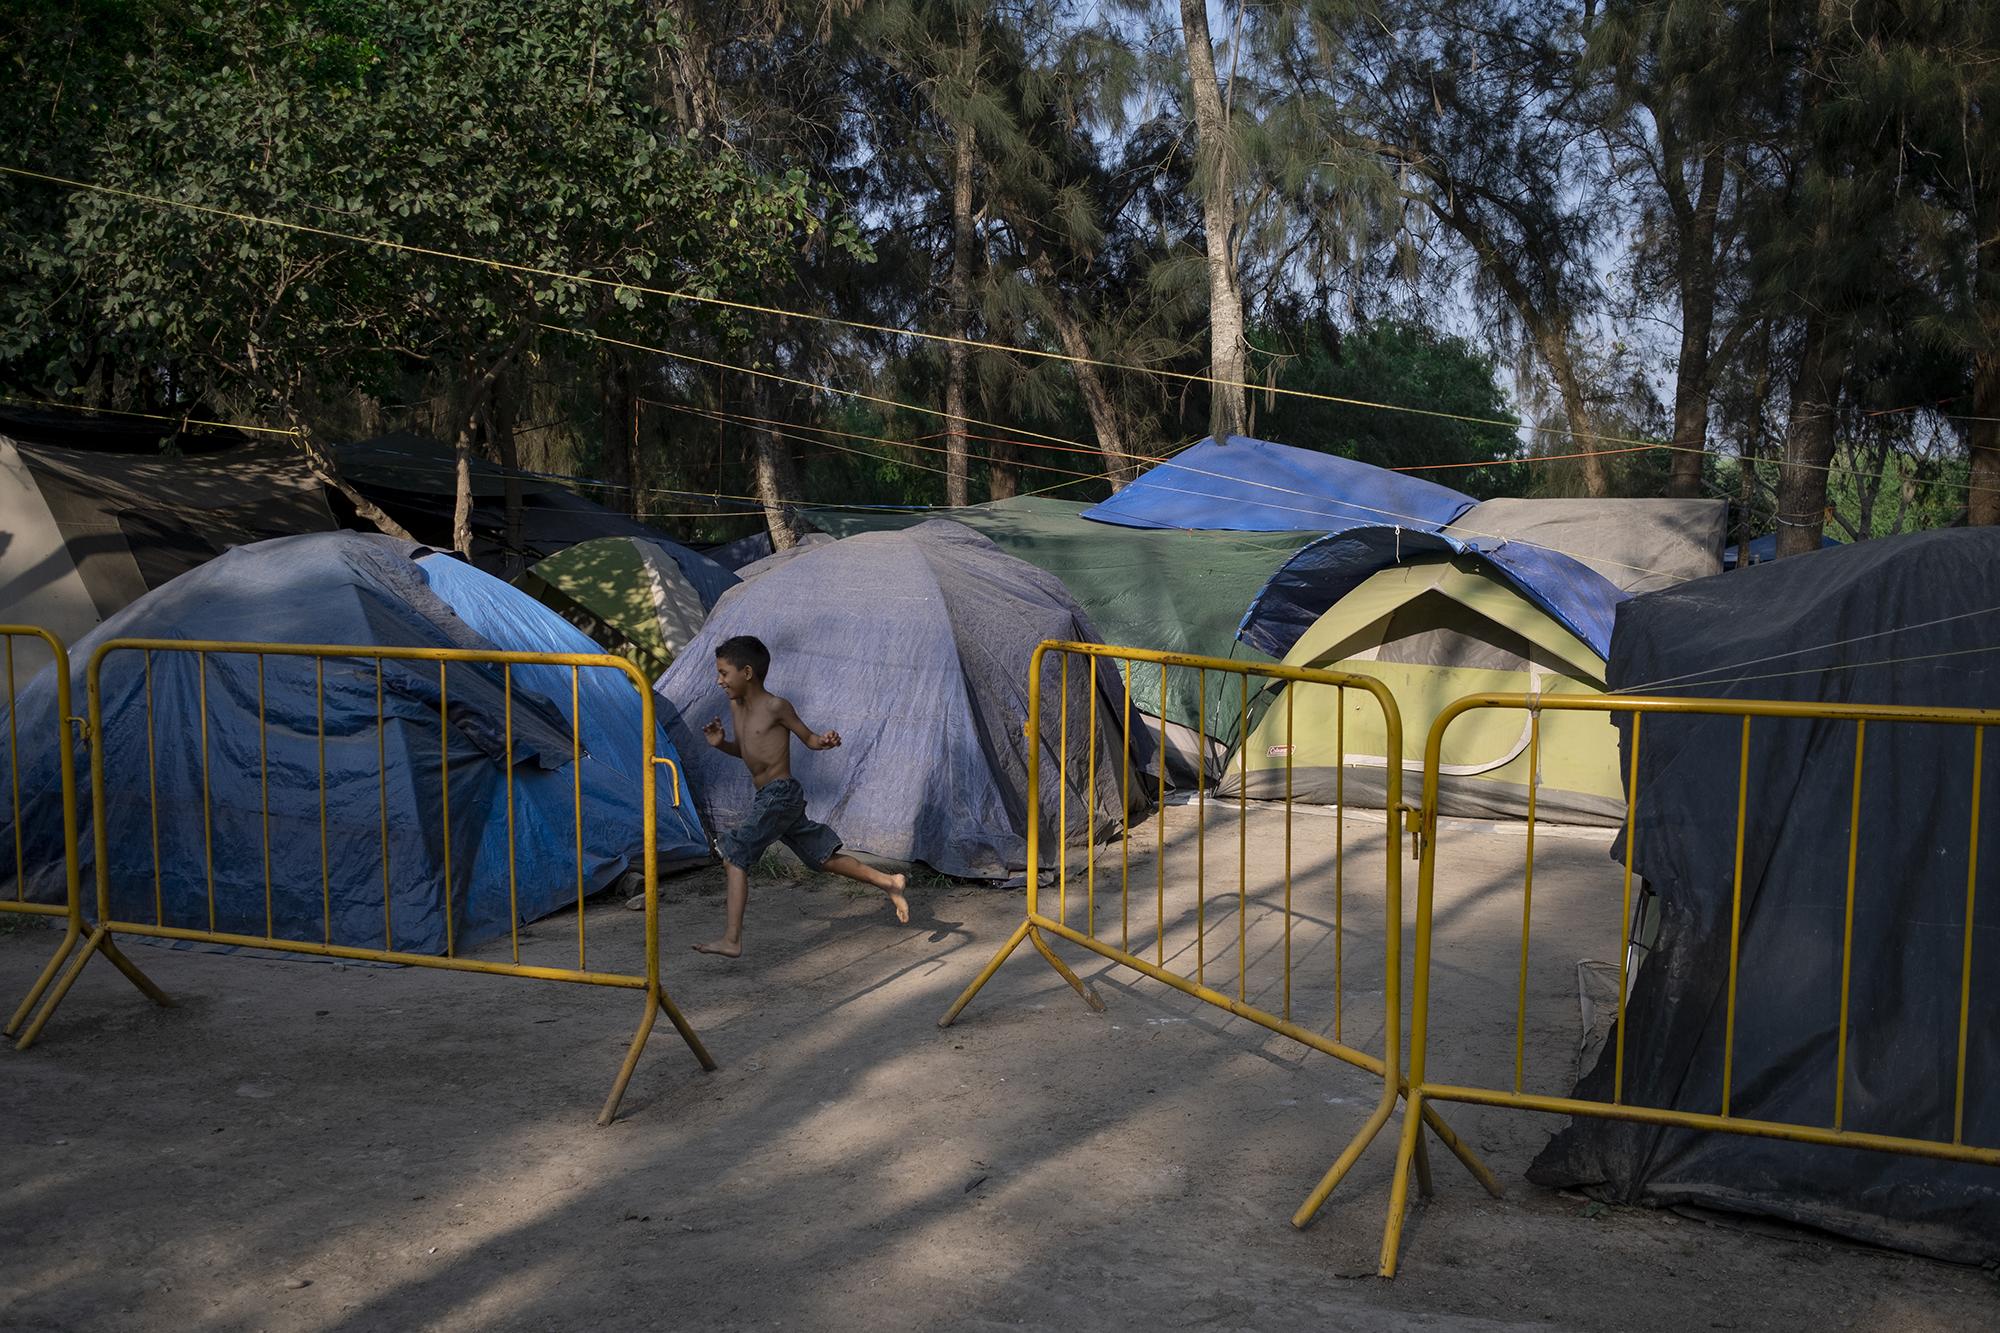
(303, 1145)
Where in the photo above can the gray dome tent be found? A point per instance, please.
(914, 646)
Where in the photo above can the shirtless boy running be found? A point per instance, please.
(764, 726)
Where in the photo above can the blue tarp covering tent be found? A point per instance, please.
(508, 618)
(1577, 598)
(344, 588)
(1575, 560)
(1248, 485)
(914, 646)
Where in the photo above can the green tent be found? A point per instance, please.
(626, 593)
(1434, 630)
(1143, 587)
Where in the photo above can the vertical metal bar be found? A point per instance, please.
(1847, 931)
(513, 894)
(1160, 837)
(1527, 897)
(1340, 857)
(1034, 733)
(1062, 797)
(576, 777)
(1201, 831)
(1736, 912)
(325, 855)
(444, 782)
(1090, 809)
(152, 796)
(1288, 853)
(1625, 917)
(382, 800)
(207, 812)
(264, 790)
(1125, 822)
(1965, 965)
(14, 765)
(1242, 832)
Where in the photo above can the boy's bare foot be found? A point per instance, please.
(897, 883)
(721, 948)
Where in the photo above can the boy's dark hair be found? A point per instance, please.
(745, 651)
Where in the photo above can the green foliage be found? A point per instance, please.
(506, 128)
(1404, 364)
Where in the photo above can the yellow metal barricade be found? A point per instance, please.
(357, 660)
(56, 727)
(1330, 1036)
(1424, 1088)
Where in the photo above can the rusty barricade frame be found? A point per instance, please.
(1423, 1090)
(1037, 923)
(107, 925)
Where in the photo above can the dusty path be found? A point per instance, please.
(419, 1148)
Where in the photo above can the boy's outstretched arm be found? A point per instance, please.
(811, 739)
(712, 733)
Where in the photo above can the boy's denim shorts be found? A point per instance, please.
(778, 815)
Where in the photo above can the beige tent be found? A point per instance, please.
(86, 531)
(1433, 631)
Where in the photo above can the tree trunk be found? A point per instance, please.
(479, 390)
(1546, 323)
(1118, 461)
(461, 508)
(322, 465)
(1691, 380)
(500, 433)
(957, 355)
(1554, 345)
(1809, 436)
(1228, 362)
(1003, 471)
(1982, 502)
(776, 475)
(619, 423)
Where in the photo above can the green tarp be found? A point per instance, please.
(1146, 588)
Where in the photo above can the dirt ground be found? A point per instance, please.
(304, 1145)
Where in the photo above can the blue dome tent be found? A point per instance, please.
(345, 588)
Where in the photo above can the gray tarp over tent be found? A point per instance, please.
(93, 515)
(914, 646)
(1907, 620)
(366, 591)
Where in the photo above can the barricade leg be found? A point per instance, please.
(656, 1004)
(71, 934)
(1399, 1183)
(1062, 969)
(99, 942)
(986, 974)
(1345, 1162)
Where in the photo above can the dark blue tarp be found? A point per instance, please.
(340, 588)
(743, 551)
(1248, 485)
(1901, 620)
(708, 578)
(914, 646)
(1764, 549)
(1577, 597)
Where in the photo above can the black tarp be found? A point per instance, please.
(414, 480)
(1910, 620)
